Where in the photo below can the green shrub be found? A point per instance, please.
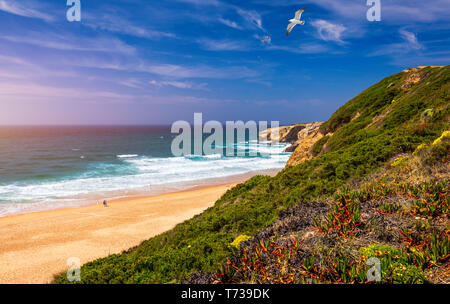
(318, 146)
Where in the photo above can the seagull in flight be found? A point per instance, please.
(266, 39)
(295, 21)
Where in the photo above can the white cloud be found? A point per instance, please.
(177, 84)
(345, 8)
(410, 43)
(22, 91)
(230, 23)
(12, 67)
(307, 48)
(222, 45)
(117, 24)
(392, 11)
(411, 39)
(70, 43)
(417, 10)
(177, 71)
(131, 83)
(253, 18)
(202, 2)
(328, 31)
(172, 71)
(14, 60)
(184, 99)
(23, 9)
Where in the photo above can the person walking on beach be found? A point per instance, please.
(105, 204)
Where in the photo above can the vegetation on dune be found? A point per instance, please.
(318, 146)
(361, 138)
(354, 229)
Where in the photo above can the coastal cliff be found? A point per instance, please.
(301, 136)
(293, 134)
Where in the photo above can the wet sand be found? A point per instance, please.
(35, 246)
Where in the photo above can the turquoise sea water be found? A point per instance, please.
(53, 167)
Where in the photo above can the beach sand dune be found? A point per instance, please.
(35, 246)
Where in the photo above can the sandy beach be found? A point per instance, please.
(35, 246)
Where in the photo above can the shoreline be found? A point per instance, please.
(35, 246)
(96, 198)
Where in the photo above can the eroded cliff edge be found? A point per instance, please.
(302, 138)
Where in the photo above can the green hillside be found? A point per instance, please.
(402, 115)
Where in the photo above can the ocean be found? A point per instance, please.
(45, 168)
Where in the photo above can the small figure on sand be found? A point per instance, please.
(105, 204)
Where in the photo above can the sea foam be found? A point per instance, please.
(131, 173)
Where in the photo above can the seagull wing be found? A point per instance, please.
(298, 14)
(289, 28)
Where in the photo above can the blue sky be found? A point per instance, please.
(155, 62)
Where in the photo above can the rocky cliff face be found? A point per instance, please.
(301, 137)
(306, 140)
